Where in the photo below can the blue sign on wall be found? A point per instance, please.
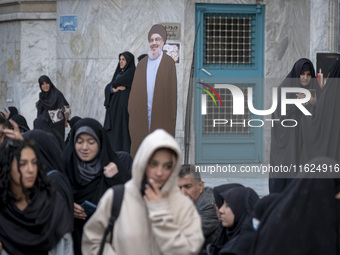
(68, 23)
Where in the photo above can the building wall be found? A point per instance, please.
(82, 62)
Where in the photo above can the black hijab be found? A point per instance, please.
(48, 147)
(303, 220)
(93, 190)
(321, 136)
(121, 77)
(12, 110)
(239, 237)
(43, 122)
(50, 100)
(286, 142)
(220, 189)
(40, 226)
(221, 231)
(22, 123)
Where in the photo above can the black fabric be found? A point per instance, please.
(71, 122)
(126, 160)
(43, 122)
(51, 100)
(263, 205)
(286, 142)
(117, 117)
(96, 188)
(12, 110)
(38, 228)
(321, 136)
(48, 147)
(219, 189)
(22, 123)
(303, 221)
(220, 239)
(240, 236)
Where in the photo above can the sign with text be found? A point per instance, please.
(173, 30)
(68, 23)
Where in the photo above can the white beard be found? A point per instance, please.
(155, 54)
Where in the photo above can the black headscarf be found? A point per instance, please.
(321, 136)
(48, 147)
(221, 231)
(43, 122)
(50, 100)
(220, 189)
(121, 77)
(286, 142)
(93, 190)
(40, 226)
(12, 110)
(22, 123)
(303, 220)
(239, 237)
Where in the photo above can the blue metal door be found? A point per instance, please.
(229, 51)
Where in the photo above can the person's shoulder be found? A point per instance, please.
(206, 197)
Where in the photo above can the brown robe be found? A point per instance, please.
(164, 105)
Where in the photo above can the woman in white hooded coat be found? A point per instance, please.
(155, 218)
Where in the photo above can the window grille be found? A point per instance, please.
(225, 112)
(229, 39)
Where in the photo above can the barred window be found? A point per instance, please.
(229, 39)
(234, 126)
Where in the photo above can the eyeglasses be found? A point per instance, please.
(157, 40)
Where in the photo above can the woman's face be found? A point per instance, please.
(122, 62)
(227, 216)
(159, 167)
(86, 147)
(45, 86)
(305, 78)
(28, 168)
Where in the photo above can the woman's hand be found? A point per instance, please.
(121, 88)
(110, 170)
(13, 133)
(78, 212)
(153, 193)
(0, 248)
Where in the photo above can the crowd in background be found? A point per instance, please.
(56, 195)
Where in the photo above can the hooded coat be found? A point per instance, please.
(164, 106)
(170, 225)
(116, 103)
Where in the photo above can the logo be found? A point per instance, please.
(213, 98)
(238, 103)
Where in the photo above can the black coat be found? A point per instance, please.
(286, 142)
(117, 117)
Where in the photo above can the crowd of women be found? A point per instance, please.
(56, 196)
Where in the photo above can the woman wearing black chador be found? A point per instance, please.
(117, 94)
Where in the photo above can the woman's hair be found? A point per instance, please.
(8, 151)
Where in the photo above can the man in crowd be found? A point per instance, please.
(153, 96)
(192, 186)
